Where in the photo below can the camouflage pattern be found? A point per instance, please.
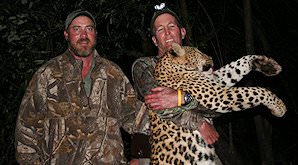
(58, 123)
(143, 78)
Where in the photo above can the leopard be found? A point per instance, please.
(188, 69)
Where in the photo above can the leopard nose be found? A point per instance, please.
(206, 67)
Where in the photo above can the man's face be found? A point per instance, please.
(81, 36)
(166, 32)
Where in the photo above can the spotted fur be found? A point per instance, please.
(175, 145)
(189, 69)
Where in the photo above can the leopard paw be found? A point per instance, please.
(267, 66)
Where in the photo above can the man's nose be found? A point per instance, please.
(167, 31)
(83, 33)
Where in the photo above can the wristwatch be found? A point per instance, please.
(187, 98)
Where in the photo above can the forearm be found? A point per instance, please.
(129, 107)
(25, 139)
(188, 119)
(29, 125)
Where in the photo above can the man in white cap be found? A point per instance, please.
(166, 28)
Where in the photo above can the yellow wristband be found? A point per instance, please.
(179, 98)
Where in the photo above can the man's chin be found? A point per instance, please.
(84, 53)
(169, 44)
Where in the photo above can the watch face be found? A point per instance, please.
(187, 98)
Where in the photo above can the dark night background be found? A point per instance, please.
(32, 33)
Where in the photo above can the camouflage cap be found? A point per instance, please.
(77, 13)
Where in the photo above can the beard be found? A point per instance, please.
(81, 52)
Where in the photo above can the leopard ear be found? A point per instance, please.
(178, 49)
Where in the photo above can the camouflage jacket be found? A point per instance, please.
(58, 123)
(143, 78)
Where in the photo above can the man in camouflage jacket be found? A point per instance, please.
(70, 115)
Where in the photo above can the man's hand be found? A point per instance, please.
(208, 132)
(162, 98)
(134, 162)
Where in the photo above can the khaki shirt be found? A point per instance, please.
(58, 123)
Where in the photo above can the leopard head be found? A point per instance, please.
(181, 61)
(190, 58)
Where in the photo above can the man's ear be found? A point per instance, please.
(66, 35)
(183, 32)
(154, 40)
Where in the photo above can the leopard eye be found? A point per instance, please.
(173, 53)
(206, 67)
